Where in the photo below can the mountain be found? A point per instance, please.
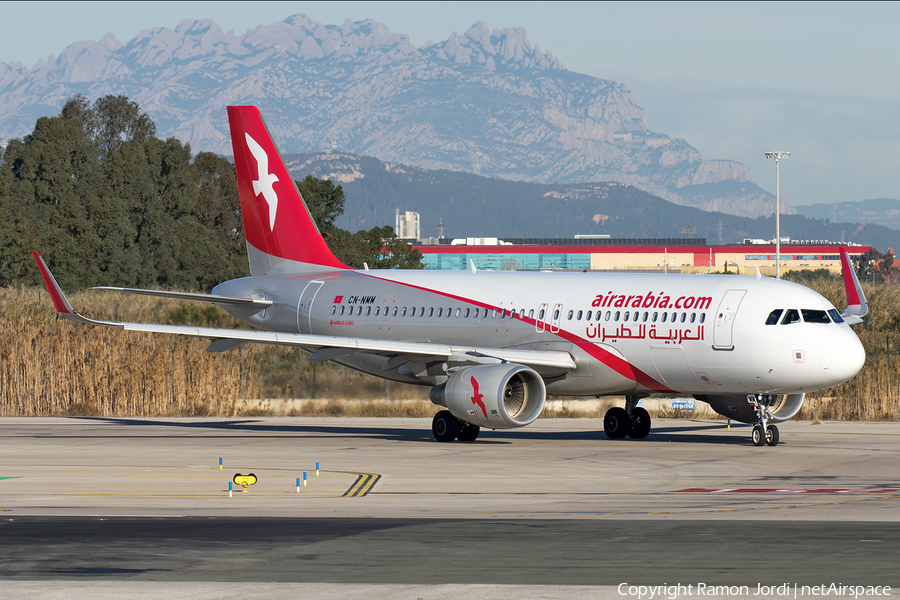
(883, 211)
(476, 206)
(485, 102)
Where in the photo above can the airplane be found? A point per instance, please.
(492, 345)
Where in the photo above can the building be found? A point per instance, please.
(633, 254)
(407, 225)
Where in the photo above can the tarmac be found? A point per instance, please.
(128, 506)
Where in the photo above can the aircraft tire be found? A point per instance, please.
(468, 432)
(445, 426)
(772, 435)
(617, 423)
(641, 426)
(757, 436)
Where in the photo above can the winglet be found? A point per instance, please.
(60, 302)
(857, 307)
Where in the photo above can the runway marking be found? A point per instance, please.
(363, 484)
(784, 491)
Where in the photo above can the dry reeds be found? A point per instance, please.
(49, 366)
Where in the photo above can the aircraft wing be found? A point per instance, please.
(857, 306)
(323, 347)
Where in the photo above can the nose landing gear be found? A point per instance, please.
(763, 433)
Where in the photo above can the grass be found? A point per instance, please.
(51, 367)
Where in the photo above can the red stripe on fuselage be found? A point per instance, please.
(619, 365)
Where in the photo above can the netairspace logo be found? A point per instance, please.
(784, 590)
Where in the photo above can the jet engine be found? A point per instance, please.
(740, 408)
(501, 396)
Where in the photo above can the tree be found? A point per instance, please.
(378, 247)
(325, 202)
(885, 269)
(865, 264)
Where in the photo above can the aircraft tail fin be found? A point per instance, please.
(857, 306)
(281, 234)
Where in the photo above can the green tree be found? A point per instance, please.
(112, 121)
(378, 247)
(866, 265)
(325, 202)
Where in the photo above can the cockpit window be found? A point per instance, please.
(791, 315)
(773, 316)
(835, 316)
(814, 316)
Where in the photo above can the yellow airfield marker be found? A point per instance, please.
(244, 481)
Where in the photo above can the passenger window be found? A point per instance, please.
(422, 311)
(475, 313)
(835, 316)
(703, 318)
(571, 314)
(588, 317)
(431, 312)
(368, 311)
(395, 311)
(772, 319)
(403, 314)
(541, 315)
(646, 316)
(531, 314)
(683, 317)
(556, 314)
(377, 310)
(580, 314)
(814, 316)
(599, 315)
(494, 314)
(791, 316)
(664, 317)
(359, 310)
(655, 315)
(485, 313)
(342, 309)
(674, 317)
(334, 309)
(607, 315)
(693, 317)
(617, 315)
(627, 315)
(467, 312)
(457, 313)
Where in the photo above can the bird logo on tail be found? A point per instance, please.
(263, 185)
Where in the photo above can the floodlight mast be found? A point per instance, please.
(777, 156)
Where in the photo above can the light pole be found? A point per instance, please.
(777, 156)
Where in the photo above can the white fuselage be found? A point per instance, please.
(629, 333)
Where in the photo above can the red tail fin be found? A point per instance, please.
(277, 223)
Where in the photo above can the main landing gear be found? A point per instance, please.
(763, 433)
(633, 420)
(447, 428)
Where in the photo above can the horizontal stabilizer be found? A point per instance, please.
(189, 296)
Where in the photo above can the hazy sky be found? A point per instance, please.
(844, 49)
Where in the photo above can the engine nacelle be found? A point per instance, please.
(501, 396)
(740, 409)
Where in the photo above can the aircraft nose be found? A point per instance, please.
(843, 356)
